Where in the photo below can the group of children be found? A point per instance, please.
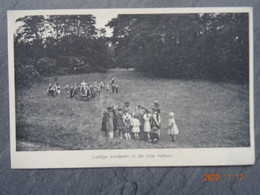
(119, 120)
(54, 89)
(85, 91)
(142, 124)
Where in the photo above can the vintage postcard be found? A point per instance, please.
(131, 87)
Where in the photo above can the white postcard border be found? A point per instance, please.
(129, 157)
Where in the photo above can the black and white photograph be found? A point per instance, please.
(131, 87)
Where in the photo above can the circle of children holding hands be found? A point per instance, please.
(84, 91)
(142, 124)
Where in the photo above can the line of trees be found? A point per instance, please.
(182, 46)
(186, 46)
(58, 45)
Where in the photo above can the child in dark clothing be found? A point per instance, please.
(120, 123)
(126, 106)
(49, 89)
(103, 124)
(127, 121)
(156, 121)
(154, 135)
(71, 91)
(156, 106)
(113, 84)
(110, 122)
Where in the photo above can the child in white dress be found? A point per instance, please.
(172, 127)
(58, 89)
(135, 123)
(147, 125)
(107, 87)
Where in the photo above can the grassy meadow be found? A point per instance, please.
(208, 114)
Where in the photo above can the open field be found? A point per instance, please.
(207, 114)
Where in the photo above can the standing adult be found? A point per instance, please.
(113, 83)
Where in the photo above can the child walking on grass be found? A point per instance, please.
(172, 127)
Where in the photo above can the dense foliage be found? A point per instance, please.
(61, 44)
(187, 46)
(182, 46)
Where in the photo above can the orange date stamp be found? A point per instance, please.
(226, 177)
